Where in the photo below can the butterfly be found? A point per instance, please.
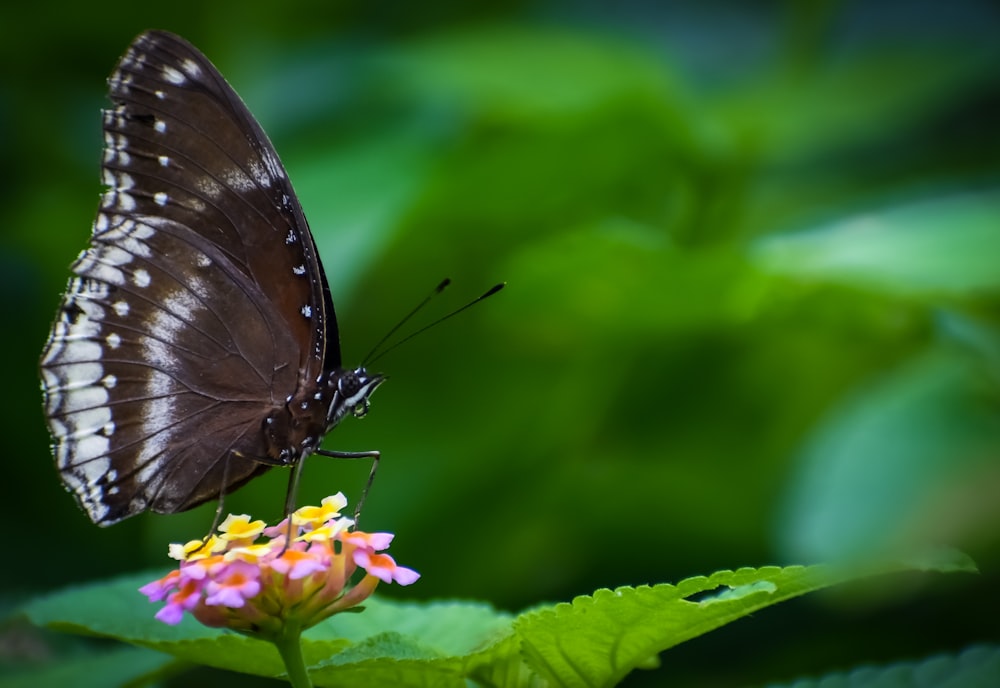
(196, 345)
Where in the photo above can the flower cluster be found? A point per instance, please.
(233, 581)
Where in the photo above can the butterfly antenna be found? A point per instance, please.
(395, 328)
(490, 292)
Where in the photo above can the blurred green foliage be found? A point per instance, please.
(753, 313)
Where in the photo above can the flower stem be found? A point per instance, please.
(289, 644)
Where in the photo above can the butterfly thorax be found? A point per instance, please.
(297, 429)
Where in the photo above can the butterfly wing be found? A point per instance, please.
(200, 305)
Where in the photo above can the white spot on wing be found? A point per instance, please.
(273, 166)
(260, 173)
(209, 187)
(238, 179)
(102, 262)
(197, 285)
(83, 351)
(160, 410)
(173, 76)
(114, 150)
(84, 471)
(114, 118)
(85, 395)
(307, 311)
(191, 67)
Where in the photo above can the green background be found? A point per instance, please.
(753, 304)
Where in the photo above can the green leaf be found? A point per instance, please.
(115, 668)
(889, 466)
(598, 639)
(383, 638)
(593, 641)
(489, 69)
(626, 278)
(941, 246)
(975, 667)
(117, 610)
(789, 114)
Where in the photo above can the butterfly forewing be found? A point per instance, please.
(205, 160)
(200, 306)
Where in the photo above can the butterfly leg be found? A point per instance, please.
(217, 519)
(222, 500)
(374, 456)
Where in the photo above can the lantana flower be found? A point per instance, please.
(273, 589)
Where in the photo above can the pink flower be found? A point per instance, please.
(297, 563)
(232, 583)
(237, 581)
(159, 589)
(372, 541)
(186, 598)
(384, 567)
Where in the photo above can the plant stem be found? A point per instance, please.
(289, 645)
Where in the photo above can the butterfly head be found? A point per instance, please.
(353, 388)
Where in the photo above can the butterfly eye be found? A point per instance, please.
(361, 409)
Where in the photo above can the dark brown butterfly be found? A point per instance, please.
(196, 345)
